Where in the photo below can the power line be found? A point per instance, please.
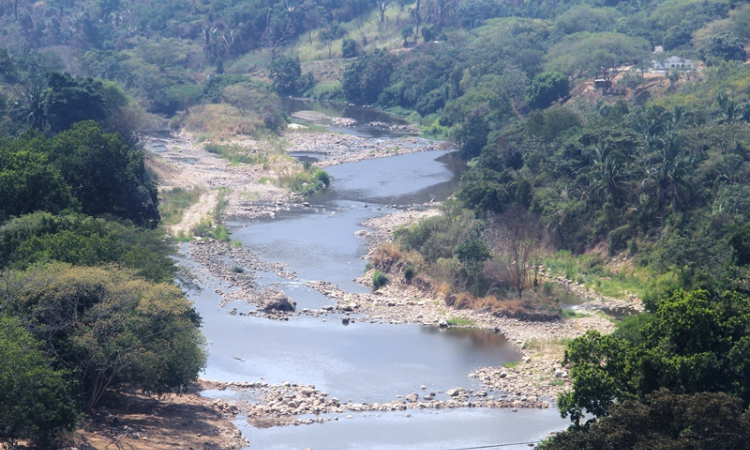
(495, 446)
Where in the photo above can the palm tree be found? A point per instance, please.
(32, 107)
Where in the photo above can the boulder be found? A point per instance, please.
(279, 302)
(454, 392)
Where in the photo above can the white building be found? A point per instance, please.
(672, 63)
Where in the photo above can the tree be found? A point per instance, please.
(28, 181)
(348, 48)
(726, 46)
(664, 420)
(515, 237)
(406, 33)
(696, 342)
(367, 76)
(284, 72)
(35, 400)
(108, 328)
(546, 88)
(86, 241)
(106, 176)
(586, 53)
(70, 100)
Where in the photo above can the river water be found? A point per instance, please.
(361, 362)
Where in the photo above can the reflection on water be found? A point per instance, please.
(424, 430)
(363, 115)
(362, 362)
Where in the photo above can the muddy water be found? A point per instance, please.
(361, 362)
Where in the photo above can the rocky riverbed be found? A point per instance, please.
(533, 382)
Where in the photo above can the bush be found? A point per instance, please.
(409, 272)
(379, 280)
(323, 177)
(545, 88)
(349, 48)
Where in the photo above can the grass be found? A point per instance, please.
(306, 179)
(366, 31)
(326, 91)
(512, 364)
(612, 280)
(221, 120)
(548, 344)
(173, 203)
(573, 314)
(239, 155)
(461, 322)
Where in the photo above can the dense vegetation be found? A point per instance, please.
(565, 172)
(87, 295)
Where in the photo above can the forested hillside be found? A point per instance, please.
(607, 142)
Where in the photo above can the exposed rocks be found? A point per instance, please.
(279, 302)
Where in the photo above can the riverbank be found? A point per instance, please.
(232, 272)
(249, 191)
(134, 420)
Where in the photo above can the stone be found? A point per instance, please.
(454, 392)
(443, 324)
(412, 397)
(279, 302)
(559, 373)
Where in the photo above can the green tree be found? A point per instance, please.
(284, 72)
(107, 327)
(35, 400)
(586, 53)
(546, 88)
(367, 76)
(106, 176)
(664, 420)
(696, 342)
(87, 241)
(348, 48)
(28, 181)
(73, 99)
(725, 46)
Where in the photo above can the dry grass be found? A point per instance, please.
(222, 121)
(367, 32)
(388, 258)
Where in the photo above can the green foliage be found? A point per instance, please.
(724, 46)
(546, 88)
(379, 280)
(36, 402)
(86, 241)
(664, 420)
(348, 48)
(367, 76)
(461, 322)
(29, 182)
(106, 176)
(739, 240)
(695, 342)
(107, 327)
(70, 100)
(585, 53)
(284, 73)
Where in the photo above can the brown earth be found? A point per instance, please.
(136, 421)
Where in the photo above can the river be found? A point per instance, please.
(361, 362)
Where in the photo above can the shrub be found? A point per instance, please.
(379, 280)
(409, 272)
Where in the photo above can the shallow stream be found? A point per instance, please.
(361, 362)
